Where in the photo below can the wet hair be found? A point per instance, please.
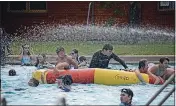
(67, 79)
(163, 59)
(75, 51)
(35, 82)
(82, 58)
(128, 91)
(142, 63)
(107, 47)
(12, 72)
(59, 49)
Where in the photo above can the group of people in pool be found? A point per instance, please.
(158, 73)
(73, 59)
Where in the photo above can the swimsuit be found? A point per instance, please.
(26, 60)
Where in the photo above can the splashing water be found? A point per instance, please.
(121, 35)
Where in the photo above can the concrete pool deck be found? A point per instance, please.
(14, 59)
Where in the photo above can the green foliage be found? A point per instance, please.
(90, 47)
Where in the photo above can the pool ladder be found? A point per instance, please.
(161, 89)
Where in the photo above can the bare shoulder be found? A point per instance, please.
(153, 68)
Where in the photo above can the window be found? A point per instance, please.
(37, 5)
(29, 6)
(19, 6)
(166, 5)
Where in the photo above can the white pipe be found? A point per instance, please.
(88, 13)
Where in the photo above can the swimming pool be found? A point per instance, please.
(81, 94)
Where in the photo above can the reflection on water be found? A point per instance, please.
(17, 92)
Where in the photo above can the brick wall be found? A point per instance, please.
(76, 12)
(68, 12)
(151, 15)
(103, 14)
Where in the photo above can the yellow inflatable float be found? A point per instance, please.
(91, 75)
(116, 77)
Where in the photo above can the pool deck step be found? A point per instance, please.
(14, 59)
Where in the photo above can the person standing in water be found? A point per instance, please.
(126, 97)
(25, 56)
(62, 57)
(101, 58)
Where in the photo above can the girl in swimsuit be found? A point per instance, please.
(25, 56)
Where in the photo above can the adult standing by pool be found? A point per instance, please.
(101, 58)
(62, 57)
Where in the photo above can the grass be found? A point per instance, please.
(90, 47)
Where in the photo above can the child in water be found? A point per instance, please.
(25, 56)
(83, 62)
(42, 63)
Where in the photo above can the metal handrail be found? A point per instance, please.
(161, 89)
(165, 98)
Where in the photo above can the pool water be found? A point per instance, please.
(17, 92)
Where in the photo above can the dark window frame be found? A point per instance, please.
(167, 8)
(28, 10)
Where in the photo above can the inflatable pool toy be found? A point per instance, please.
(116, 77)
(91, 75)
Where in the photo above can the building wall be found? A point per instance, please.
(103, 14)
(152, 16)
(75, 12)
(68, 12)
